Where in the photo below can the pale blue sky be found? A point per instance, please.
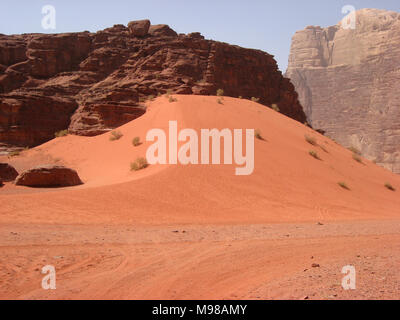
(262, 24)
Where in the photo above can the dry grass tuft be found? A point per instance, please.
(310, 140)
(139, 164)
(343, 185)
(115, 135)
(389, 186)
(314, 154)
(62, 133)
(136, 141)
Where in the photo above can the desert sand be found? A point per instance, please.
(200, 231)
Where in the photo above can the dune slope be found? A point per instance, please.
(200, 231)
(288, 184)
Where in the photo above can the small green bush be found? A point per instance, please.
(343, 185)
(255, 99)
(220, 92)
(310, 140)
(61, 133)
(115, 135)
(389, 186)
(139, 164)
(136, 141)
(314, 154)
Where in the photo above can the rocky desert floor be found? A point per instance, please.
(200, 232)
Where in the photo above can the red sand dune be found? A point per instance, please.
(287, 186)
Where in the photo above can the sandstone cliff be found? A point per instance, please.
(92, 83)
(349, 83)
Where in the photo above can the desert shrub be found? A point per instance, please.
(172, 99)
(255, 99)
(343, 185)
(139, 164)
(310, 140)
(14, 153)
(355, 151)
(151, 97)
(275, 107)
(220, 92)
(136, 141)
(357, 158)
(258, 135)
(61, 133)
(115, 135)
(240, 97)
(389, 186)
(314, 154)
(324, 148)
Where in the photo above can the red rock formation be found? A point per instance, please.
(49, 176)
(92, 83)
(349, 83)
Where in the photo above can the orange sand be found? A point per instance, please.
(288, 186)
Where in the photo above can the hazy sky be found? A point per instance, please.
(263, 24)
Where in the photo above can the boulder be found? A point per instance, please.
(7, 172)
(139, 28)
(49, 176)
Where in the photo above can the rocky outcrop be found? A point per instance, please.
(348, 82)
(48, 177)
(7, 172)
(91, 83)
(139, 28)
(28, 119)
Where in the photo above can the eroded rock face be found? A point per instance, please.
(7, 172)
(49, 176)
(92, 83)
(349, 83)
